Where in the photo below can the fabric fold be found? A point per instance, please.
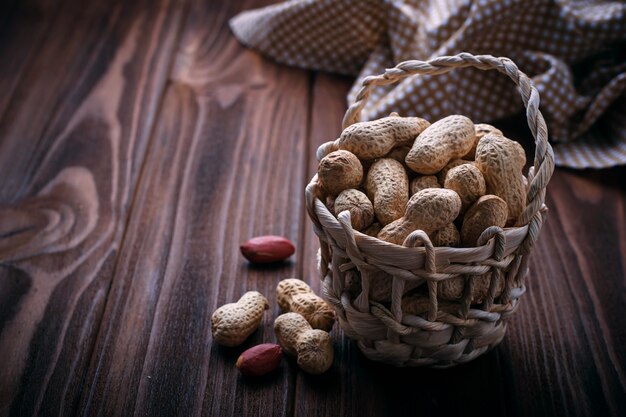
(574, 51)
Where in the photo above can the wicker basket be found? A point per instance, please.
(438, 337)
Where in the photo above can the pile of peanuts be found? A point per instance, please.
(302, 331)
(452, 179)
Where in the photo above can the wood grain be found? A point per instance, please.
(22, 28)
(140, 144)
(226, 163)
(569, 333)
(72, 141)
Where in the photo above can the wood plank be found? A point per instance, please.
(107, 216)
(567, 338)
(22, 29)
(226, 163)
(71, 146)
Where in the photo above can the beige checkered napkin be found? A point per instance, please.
(575, 51)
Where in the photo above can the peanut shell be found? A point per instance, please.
(422, 182)
(489, 210)
(501, 162)
(232, 323)
(373, 230)
(339, 171)
(428, 210)
(388, 187)
(441, 175)
(360, 208)
(294, 295)
(312, 348)
(446, 236)
(447, 139)
(419, 305)
(481, 130)
(376, 138)
(452, 289)
(468, 182)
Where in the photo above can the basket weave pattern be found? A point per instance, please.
(438, 337)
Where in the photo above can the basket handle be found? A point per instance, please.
(543, 165)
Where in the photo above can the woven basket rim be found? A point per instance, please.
(413, 257)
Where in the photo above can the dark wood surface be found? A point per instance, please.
(140, 144)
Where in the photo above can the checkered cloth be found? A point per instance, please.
(575, 52)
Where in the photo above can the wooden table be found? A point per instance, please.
(140, 144)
